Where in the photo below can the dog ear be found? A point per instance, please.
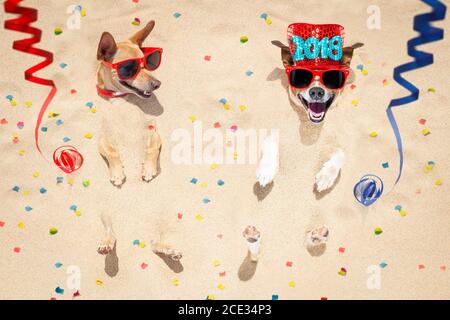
(142, 34)
(347, 53)
(285, 53)
(106, 47)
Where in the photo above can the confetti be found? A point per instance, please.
(242, 107)
(429, 166)
(59, 290)
(438, 182)
(442, 268)
(220, 182)
(175, 282)
(144, 266)
(289, 264)
(342, 272)
(398, 207)
(43, 190)
(221, 286)
(355, 102)
(216, 263)
(3, 121)
(194, 180)
(373, 134)
(206, 200)
(422, 121)
(249, 73)
(426, 131)
(421, 266)
(222, 274)
(20, 124)
(28, 103)
(385, 165)
(431, 90)
(192, 118)
(403, 213)
(98, 282)
(58, 31)
(88, 135)
(76, 294)
(136, 22)
(198, 217)
(63, 65)
(365, 72)
(16, 188)
(142, 245)
(177, 15)
(217, 125)
(214, 166)
(341, 249)
(21, 225)
(383, 265)
(291, 284)
(274, 297)
(2, 223)
(28, 208)
(179, 216)
(16, 249)
(86, 183)
(53, 231)
(210, 297)
(207, 58)
(378, 231)
(243, 39)
(58, 265)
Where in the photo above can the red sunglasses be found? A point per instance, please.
(331, 78)
(129, 69)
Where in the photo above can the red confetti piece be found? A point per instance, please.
(3, 121)
(443, 268)
(76, 294)
(16, 249)
(352, 86)
(222, 274)
(323, 298)
(180, 216)
(73, 91)
(217, 125)
(289, 264)
(208, 58)
(144, 266)
(2, 223)
(422, 121)
(421, 266)
(341, 249)
(151, 127)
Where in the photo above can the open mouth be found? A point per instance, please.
(316, 110)
(142, 93)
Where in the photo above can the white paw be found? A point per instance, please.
(148, 172)
(107, 245)
(268, 165)
(117, 175)
(326, 177)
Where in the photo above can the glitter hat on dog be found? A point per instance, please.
(316, 46)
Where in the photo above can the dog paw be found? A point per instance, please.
(117, 175)
(268, 164)
(148, 172)
(107, 245)
(326, 177)
(174, 254)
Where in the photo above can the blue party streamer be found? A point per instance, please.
(427, 34)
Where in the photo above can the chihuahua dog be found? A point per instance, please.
(126, 68)
(314, 89)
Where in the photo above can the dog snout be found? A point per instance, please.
(155, 84)
(316, 93)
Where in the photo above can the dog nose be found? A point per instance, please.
(155, 84)
(316, 93)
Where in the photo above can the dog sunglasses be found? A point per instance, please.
(331, 78)
(129, 69)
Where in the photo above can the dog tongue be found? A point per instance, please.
(317, 107)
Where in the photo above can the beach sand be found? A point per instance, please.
(192, 85)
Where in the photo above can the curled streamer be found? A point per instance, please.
(427, 34)
(368, 189)
(68, 159)
(22, 24)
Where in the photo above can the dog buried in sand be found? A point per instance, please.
(126, 70)
(317, 67)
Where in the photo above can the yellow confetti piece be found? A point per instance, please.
(26, 192)
(36, 174)
(28, 103)
(21, 225)
(71, 181)
(77, 213)
(175, 282)
(403, 213)
(291, 284)
(198, 217)
(355, 102)
(204, 184)
(235, 155)
(226, 106)
(211, 297)
(220, 286)
(216, 263)
(88, 135)
(93, 110)
(21, 152)
(431, 90)
(425, 132)
(192, 118)
(214, 166)
(13, 103)
(53, 114)
(369, 61)
(269, 21)
(429, 167)
(439, 182)
(365, 72)
(98, 282)
(83, 12)
(242, 107)
(373, 134)
(142, 244)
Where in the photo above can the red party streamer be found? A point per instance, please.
(22, 24)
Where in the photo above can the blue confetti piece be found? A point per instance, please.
(59, 290)
(77, 8)
(42, 190)
(9, 97)
(263, 16)
(383, 265)
(136, 242)
(89, 104)
(58, 265)
(398, 207)
(360, 67)
(63, 65)
(59, 179)
(223, 101)
(220, 182)
(194, 180)
(44, 129)
(59, 122)
(73, 207)
(28, 208)
(385, 165)
(16, 188)
(66, 139)
(206, 200)
(274, 297)
(431, 163)
(249, 73)
(177, 15)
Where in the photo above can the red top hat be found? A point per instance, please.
(319, 31)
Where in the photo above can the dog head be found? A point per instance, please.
(316, 98)
(109, 52)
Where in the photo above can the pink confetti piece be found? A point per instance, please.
(180, 216)
(144, 266)
(289, 264)
(422, 121)
(234, 128)
(341, 249)
(2, 223)
(352, 86)
(16, 249)
(207, 58)
(217, 125)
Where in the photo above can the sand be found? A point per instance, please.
(193, 86)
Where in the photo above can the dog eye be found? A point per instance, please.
(128, 69)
